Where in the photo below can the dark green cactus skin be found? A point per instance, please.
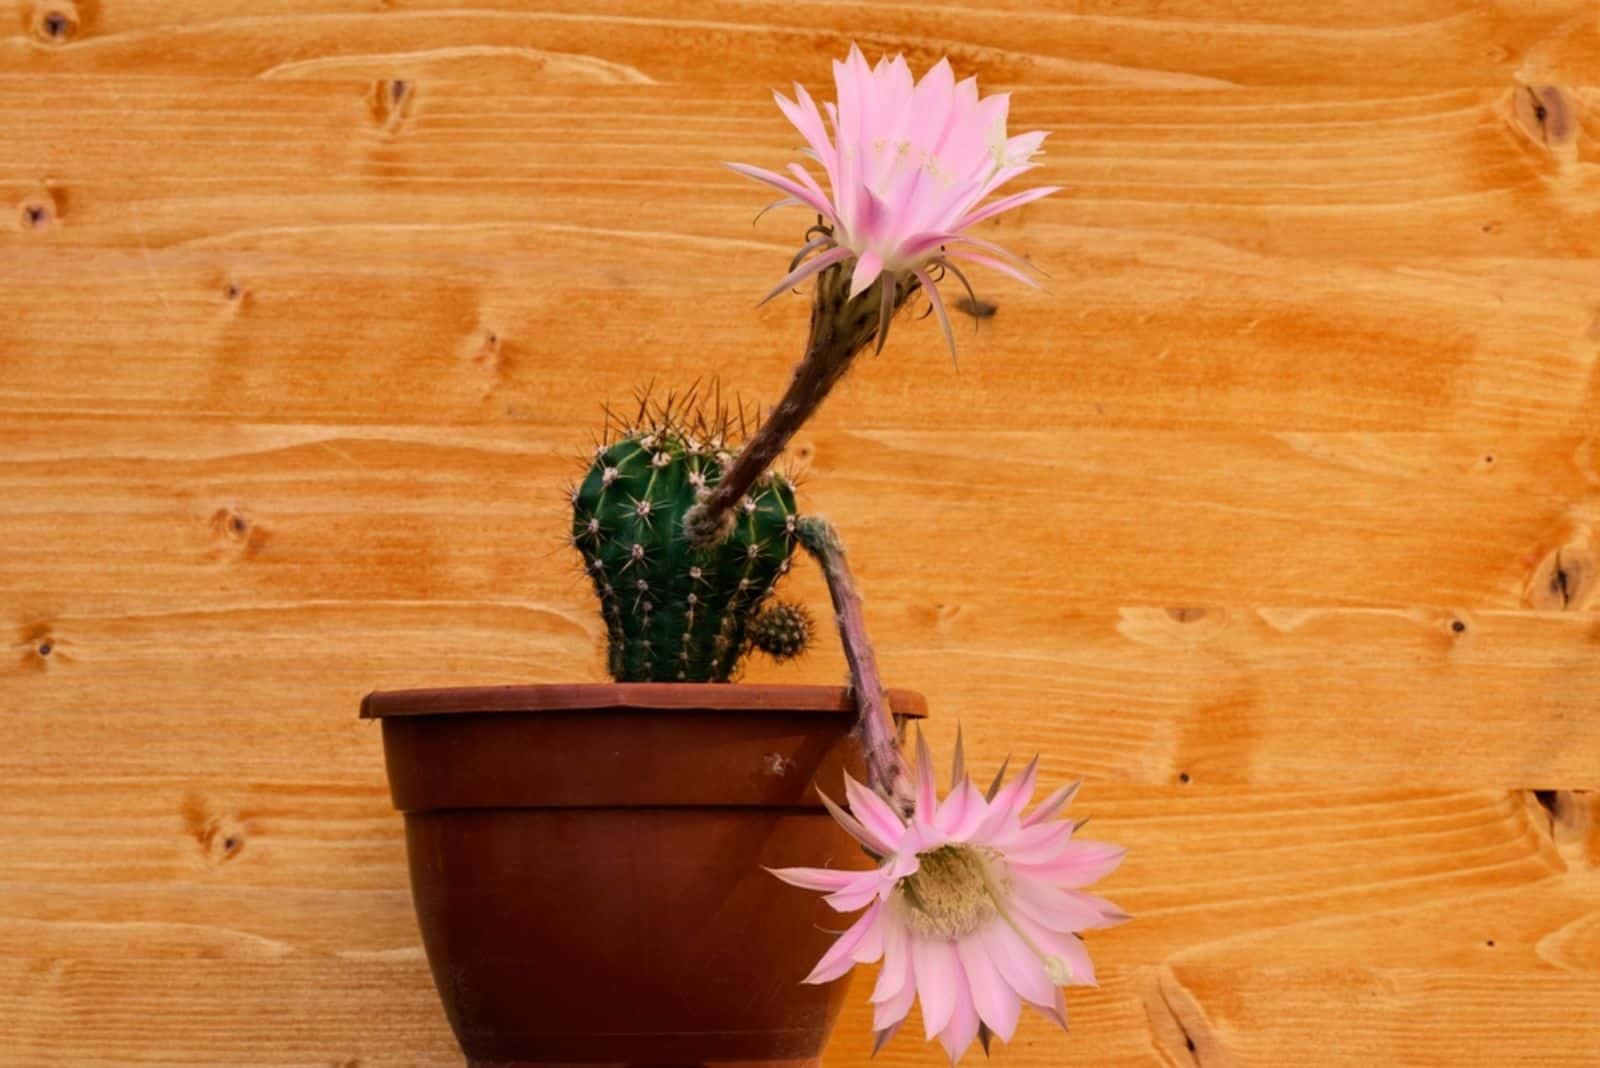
(675, 614)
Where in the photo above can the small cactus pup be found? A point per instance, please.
(783, 631)
(675, 612)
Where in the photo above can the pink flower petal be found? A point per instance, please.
(1038, 844)
(867, 887)
(919, 245)
(1025, 145)
(1020, 966)
(868, 268)
(854, 828)
(1060, 910)
(1050, 806)
(874, 812)
(895, 977)
(957, 1036)
(1076, 957)
(990, 184)
(937, 305)
(999, 252)
(870, 219)
(851, 900)
(1068, 950)
(803, 177)
(816, 265)
(802, 112)
(840, 956)
(994, 265)
(1005, 808)
(826, 879)
(779, 182)
(870, 948)
(997, 1003)
(1110, 914)
(932, 108)
(961, 812)
(1078, 864)
(940, 982)
(892, 1000)
(1004, 204)
(905, 862)
(892, 1011)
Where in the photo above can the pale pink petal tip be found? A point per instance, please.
(824, 879)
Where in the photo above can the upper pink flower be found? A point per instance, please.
(974, 907)
(909, 165)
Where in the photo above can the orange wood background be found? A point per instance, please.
(1274, 518)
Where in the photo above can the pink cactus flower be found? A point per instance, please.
(908, 166)
(974, 907)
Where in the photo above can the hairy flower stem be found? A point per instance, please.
(886, 770)
(840, 329)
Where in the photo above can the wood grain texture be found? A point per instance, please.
(1193, 44)
(1273, 518)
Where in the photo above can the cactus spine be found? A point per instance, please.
(675, 613)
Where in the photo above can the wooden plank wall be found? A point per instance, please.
(1273, 518)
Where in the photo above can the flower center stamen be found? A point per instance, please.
(949, 894)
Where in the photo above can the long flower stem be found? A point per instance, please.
(840, 328)
(886, 770)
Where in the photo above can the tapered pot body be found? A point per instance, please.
(588, 865)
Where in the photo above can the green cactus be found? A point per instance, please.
(674, 613)
(783, 631)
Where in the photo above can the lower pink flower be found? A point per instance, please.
(974, 908)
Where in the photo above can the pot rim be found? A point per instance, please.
(628, 696)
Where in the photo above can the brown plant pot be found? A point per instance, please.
(587, 865)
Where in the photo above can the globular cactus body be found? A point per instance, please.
(675, 613)
(783, 631)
